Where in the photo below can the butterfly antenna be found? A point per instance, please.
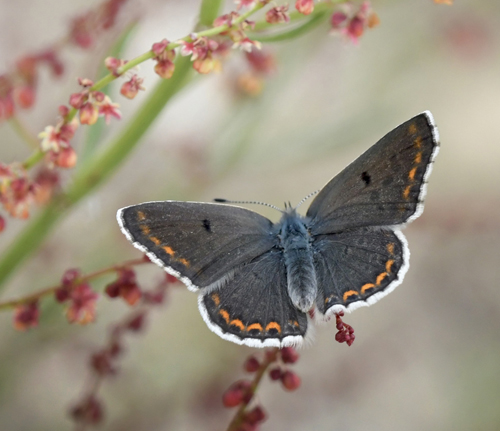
(225, 201)
(307, 197)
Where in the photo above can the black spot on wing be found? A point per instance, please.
(366, 178)
(206, 225)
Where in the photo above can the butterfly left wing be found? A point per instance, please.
(385, 186)
(253, 307)
(357, 267)
(199, 243)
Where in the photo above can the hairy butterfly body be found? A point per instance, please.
(258, 280)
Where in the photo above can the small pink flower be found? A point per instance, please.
(245, 3)
(25, 96)
(126, 287)
(2, 224)
(81, 31)
(113, 64)
(130, 88)
(261, 61)
(82, 304)
(89, 113)
(66, 158)
(108, 109)
(247, 44)
(207, 64)
(26, 316)
(199, 48)
(89, 411)
(290, 380)
(338, 19)
(165, 65)
(159, 47)
(304, 6)
(226, 19)
(76, 100)
(16, 191)
(85, 82)
(236, 393)
(278, 15)
(63, 111)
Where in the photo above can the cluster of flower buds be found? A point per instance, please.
(352, 23)
(80, 297)
(164, 58)
(345, 332)
(278, 15)
(86, 28)
(92, 104)
(305, 7)
(125, 287)
(18, 88)
(243, 391)
(18, 192)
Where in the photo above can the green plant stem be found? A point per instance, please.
(95, 171)
(209, 11)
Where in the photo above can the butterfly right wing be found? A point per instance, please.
(199, 243)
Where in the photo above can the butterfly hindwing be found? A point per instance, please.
(200, 243)
(253, 306)
(385, 186)
(358, 267)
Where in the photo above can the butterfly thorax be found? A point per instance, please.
(295, 241)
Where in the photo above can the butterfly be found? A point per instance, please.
(258, 280)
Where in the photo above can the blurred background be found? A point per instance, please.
(426, 357)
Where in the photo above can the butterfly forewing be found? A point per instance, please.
(200, 243)
(253, 307)
(385, 186)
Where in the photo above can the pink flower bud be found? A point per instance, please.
(252, 364)
(277, 15)
(304, 6)
(26, 316)
(85, 82)
(63, 110)
(290, 380)
(76, 100)
(88, 114)
(159, 47)
(25, 96)
(289, 355)
(165, 68)
(66, 158)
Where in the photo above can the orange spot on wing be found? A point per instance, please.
(418, 158)
(406, 193)
(141, 215)
(184, 262)
(145, 229)
(216, 299)
(273, 325)
(257, 326)
(390, 248)
(169, 250)
(367, 286)
(412, 129)
(412, 173)
(381, 277)
(238, 323)
(225, 315)
(155, 240)
(418, 141)
(388, 265)
(294, 323)
(349, 293)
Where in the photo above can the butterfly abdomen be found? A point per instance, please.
(298, 255)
